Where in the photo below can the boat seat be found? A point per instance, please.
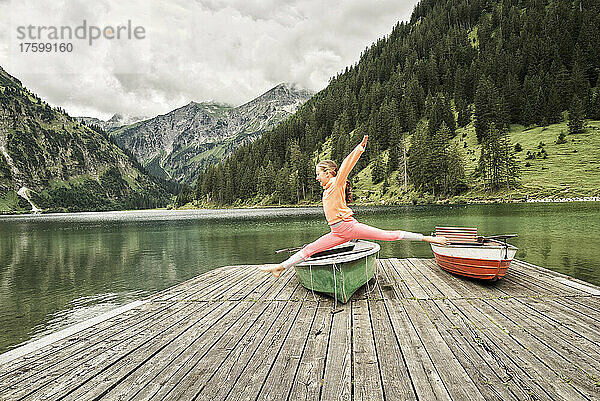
(458, 235)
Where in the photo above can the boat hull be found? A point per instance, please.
(340, 275)
(475, 261)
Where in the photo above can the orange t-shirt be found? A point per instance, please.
(334, 195)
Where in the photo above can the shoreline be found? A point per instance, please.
(447, 202)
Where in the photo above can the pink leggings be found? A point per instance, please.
(344, 232)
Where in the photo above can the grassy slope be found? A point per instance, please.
(570, 170)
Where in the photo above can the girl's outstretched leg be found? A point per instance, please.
(327, 241)
(356, 230)
(363, 231)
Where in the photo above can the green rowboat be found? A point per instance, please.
(339, 271)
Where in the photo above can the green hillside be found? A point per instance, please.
(568, 170)
(485, 73)
(64, 165)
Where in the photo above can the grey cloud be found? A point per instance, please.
(227, 51)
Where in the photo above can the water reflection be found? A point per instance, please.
(56, 270)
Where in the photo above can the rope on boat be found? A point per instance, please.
(375, 271)
(367, 274)
(311, 283)
(335, 269)
(343, 286)
(334, 288)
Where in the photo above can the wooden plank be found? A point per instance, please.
(103, 381)
(452, 281)
(86, 339)
(67, 376)
(542, 284)
(589, 288)
(337, 375)
(467, 287)
(307, 384)
(458, 383)
(564, 317)
(24, 364)
(580, 352)
(246, 368)
(35, 371)
(122, 338)
(365, 367)
(510, 375)
(568, 376)
(164, 379)
(553, 282)
(416, 269)
(446, 291)
(583, 307)
(493, 379)
(201, 286)
(284, 370)
(552, 384)
(188, 366)
(393, 285)
(491, 339)
(394, 374)
(254, 375)
(585, 288)
(277, 286)
(78, 347)
(512, 286)
(424, 378)
(592, 303)
(408, 336)
(232, 359)
(130, 383)
(401, 270)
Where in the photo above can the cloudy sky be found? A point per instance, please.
(228, 51)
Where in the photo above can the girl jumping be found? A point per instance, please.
(343, 226)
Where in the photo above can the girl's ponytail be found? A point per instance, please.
(349, 196)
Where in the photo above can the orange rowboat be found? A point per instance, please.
(469, 255)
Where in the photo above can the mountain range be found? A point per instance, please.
(50, 161)
(179, 144)
(116, 121)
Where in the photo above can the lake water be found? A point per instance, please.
(57, 270)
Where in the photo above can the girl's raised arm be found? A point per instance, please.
(350, 161)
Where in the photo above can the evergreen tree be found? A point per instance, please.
(378, 171)
(523, 66)
(262, 181)
(497, 163)
(441, 113)
(512, 96)
(394, 148)
(435, 166)
(576, 116)
(580, 85)
(487, 107)
(594, 112)
(464, 113)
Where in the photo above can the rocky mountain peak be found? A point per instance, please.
(177, 145)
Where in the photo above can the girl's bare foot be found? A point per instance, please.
(436, 240)
(275, 270)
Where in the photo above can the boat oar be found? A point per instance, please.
(502, 237)
(290, 249)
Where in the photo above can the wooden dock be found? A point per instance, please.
(417, 333)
